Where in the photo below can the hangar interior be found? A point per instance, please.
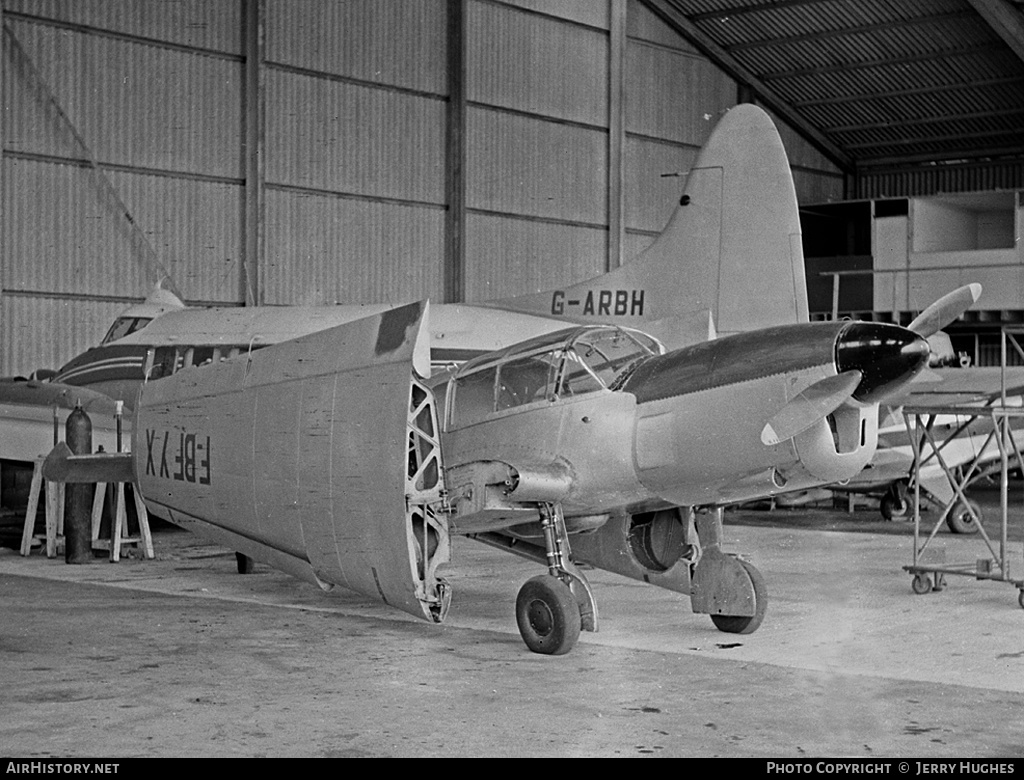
(262, 153)
(285, 152)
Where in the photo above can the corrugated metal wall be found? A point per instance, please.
(348, 200)
(355, 122)
(536, 147)
(151, 94)
(674, 97)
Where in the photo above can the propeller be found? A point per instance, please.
(872, 359)
(807, 407)
(945, 310)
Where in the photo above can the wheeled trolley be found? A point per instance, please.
(1005, 425)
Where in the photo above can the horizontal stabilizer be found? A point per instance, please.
(61, 465)
(54, 394)
(814, 403)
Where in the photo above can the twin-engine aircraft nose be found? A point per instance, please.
(887, 356)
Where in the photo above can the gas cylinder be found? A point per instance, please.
(78, 496)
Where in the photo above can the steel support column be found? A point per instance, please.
(455, 157)
(254, 110)
(616, 129)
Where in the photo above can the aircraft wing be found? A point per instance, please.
(313, 455)
(961, 386)
(28, 409)
(937, 389)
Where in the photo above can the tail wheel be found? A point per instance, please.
(959, 519)
(548, 615)
(746, 624)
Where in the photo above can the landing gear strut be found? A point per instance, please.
(728, 589)
(552, 608)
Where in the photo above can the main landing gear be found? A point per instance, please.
(725, 587)
(552, 608)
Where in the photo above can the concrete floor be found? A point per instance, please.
(181, 656)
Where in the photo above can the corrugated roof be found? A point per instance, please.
(875, 83)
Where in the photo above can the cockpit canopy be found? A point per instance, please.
(544, 369)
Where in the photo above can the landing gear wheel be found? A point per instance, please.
(1020, 598)
(245, 563)
(921, 584)
(959, 519)
(893, 507)
(746, 624)
(548, 615)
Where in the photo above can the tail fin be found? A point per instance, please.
(730, 258)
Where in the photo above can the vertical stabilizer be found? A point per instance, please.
(732, 248)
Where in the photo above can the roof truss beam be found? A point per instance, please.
(846, 32)
(886, 63)
(867, 97)
(723, 13)
(1018, 131)
(900, 125)
(1005, 21)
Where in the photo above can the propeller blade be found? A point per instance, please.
(812, 404)
(945, 310)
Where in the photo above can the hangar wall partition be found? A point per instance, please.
(319, 151)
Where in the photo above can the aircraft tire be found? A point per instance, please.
(893, 508)
(960, 521)
(746, 624)
(245, 563)
(548, 615)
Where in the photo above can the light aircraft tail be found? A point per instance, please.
(729, 260)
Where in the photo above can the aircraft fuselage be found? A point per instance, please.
(683, 428)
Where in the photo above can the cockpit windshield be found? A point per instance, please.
(606, 353)
(123, 326)
(569, 363)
